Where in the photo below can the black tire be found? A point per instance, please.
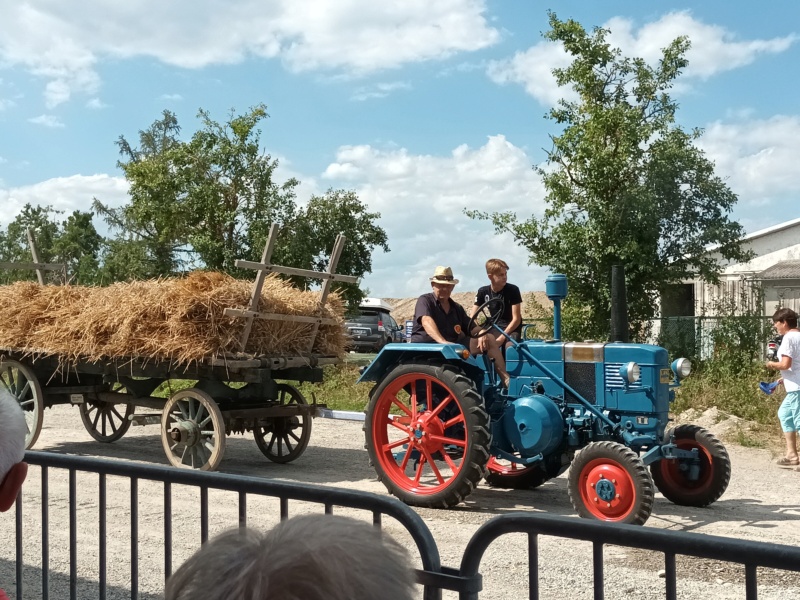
(671, 477)
(609, 482)
(427, 453)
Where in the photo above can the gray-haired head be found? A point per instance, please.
(13, 430)
(311, 557)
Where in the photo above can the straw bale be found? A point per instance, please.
(175, 319)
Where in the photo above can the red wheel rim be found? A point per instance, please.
(677, 479)
(411, 444)
(607, 490)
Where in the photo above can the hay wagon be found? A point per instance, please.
(234, 392)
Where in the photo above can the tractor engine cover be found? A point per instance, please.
(533, 425)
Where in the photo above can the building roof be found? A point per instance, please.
(785, 269)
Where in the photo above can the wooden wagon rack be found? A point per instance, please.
(233, 393)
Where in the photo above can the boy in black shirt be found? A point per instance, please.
(511, 319)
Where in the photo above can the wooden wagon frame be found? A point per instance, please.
(233, 393)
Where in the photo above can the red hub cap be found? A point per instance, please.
(607, 490)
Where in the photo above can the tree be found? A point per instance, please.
(14, 242)
(78, 246)
(307, 243)
(625, 184)
(197, 203)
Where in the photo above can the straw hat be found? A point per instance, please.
(444, 275)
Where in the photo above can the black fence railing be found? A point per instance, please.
(467, 580)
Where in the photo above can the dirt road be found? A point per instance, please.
(761, 503)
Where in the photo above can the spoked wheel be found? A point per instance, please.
(485, 317)
(427, 434)
(608, 481)
(193, 430)
(20, 381)
(503, 473)
(283, 439)
(107, 422)
(672, 477)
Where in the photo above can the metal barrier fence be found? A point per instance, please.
(432, 576)
(467, 580)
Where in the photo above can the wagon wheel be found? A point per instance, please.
(193, 431)
(283, 439)
(107, 422)
(21, 382)
(608, 481)
(427, 434)
(671, 476)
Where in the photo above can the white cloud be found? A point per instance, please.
(96, 104)
(381, 90)
(758, 159)
(713, 50)
(63, 44)
(64, 193)
(171, 97)
(421, 200)
(46, 121)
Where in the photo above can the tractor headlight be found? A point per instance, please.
(681, 367)
(630, 372)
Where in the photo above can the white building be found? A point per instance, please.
(775, 267)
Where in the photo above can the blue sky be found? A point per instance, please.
(424, 108)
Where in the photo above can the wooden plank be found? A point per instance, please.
(338, 246)
(35, 255)
(237, 312)
(266, 268)
(255, 297)
(31, 266)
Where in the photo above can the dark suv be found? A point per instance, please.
(371, 330)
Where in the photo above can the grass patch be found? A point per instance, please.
(339, 389)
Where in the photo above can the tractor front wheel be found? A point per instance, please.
(608, 481)
(671, 476)
(427, 434)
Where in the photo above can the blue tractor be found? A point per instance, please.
(439, 421)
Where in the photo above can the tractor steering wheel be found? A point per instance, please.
(485, 317)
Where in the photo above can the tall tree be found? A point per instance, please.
(625, 184)
(78, 246)
(154, 225)
(14, 241)
(308, 242)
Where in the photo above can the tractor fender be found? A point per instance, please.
(393, 354)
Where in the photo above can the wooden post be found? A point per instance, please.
(35, 255)
(255, 297)
(338, 246)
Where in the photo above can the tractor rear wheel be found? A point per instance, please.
(427, 434)
(671, 476)
(608, 481)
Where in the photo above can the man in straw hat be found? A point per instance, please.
(440, 319)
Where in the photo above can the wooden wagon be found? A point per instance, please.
(232, 394)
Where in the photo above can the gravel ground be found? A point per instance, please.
(760, 504)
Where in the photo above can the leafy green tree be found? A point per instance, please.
(308, 241)
(78, 246)
(14, 241)
(625, 184)
(154, 225)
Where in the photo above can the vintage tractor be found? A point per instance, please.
(439, 421)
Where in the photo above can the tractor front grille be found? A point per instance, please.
(581, 377)
(614, 379)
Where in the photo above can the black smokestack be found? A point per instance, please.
(619, 305)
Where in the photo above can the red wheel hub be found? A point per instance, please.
(675, 472)
(607, 490)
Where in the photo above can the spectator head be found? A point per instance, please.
(495, 266)
(786, 315)
(13, 430)
(311, 557)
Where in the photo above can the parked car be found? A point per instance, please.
(372, 328)
(772, 347)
